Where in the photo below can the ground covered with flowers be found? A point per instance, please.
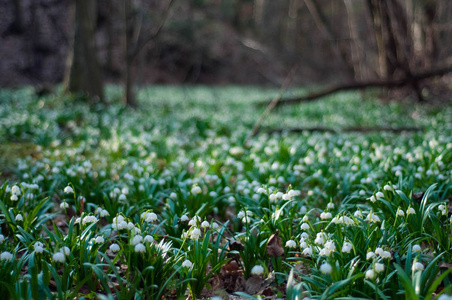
(167, 202)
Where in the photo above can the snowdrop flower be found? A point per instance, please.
(370, 255)
(195, 233)
(319, 239)
(291, 244)
(19, 217)
(304, 226)
(379, 267)
(441, 207)
(410, 211)
(305, 218)
(358, 214)
(325, 215)
(330, 245)
(39, 247)
(184, 218)
(104, 213)
(387, 188)
(122, 197)
(326, 268)
(379, 195)
(372, 199)
(140, 248)
(15, 190)
(148, 238)
(196, 190)
(347, 247)
(205, 224)
(273, 197)
(379, 251)
(370, 274)
(150, 217)
(99, 240)
(261, 191)
(173, 195)
(65, 250)
(64, 205)
(89, 219)
(6, 256)
(114, 247)
(2, 238)
(416, 248)
(137, 239)
(330, 205)
(400, 213)
(385, 254)
(307, 251)
(192, 222)
(257, 270)
(417, 266)
(373, 218)
(68, 190)
(59, 257)
(14, 197)
(187, 264)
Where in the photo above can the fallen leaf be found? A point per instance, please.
(274, 245)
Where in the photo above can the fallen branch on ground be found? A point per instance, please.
(393, 83)
(345, 129)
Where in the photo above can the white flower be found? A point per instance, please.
(99, 240)
(257, 270)
(417, 266)
(319, 239)
(195, 233)
(326, 268)
(379, 251)
(370, 274)
(416, 248)
(15, 190)
(122, 197)
(14, 197)
(68, 190)
(347, 247)
(386, 254)
(330, 245)
(64, 205)
(373, 218)
(241, 215)
(65, 250)
(307, 251)
(441, 207)
(370, 255)
(184, 218)
(89, 219)
(291, 244)
(187, 264)
(379, 195)
(379, 267)
(215, 225)
(330, 205)
(19, 217)
(140, 248)
(6, 256)
(150, 217)
(196, 190)
(2, 238)
(104, 213)
(38, 248)
(400, 213)
(261, 191)
(444, 297)
(148, 238)
(192, 222)
(304, 226)
(137, 239)
(58, 257)
(114, 247)
(358, 214)
(325, 215)
(387, 188)
(372, 199)
(410, 211)
(205, 224)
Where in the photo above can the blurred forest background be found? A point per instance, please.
(394, 43)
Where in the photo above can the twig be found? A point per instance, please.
(271, 105)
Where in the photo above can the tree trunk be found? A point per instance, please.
(85, 75)
(129, 97)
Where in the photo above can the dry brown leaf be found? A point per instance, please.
(274, 245)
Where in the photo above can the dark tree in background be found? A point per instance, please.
(84, 74)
